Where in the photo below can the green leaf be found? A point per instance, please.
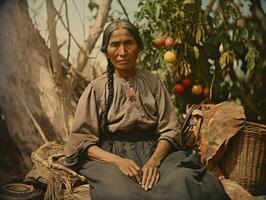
(158, 11)
(251, 55)
(196, 52)
(222, 60)
(189, 1)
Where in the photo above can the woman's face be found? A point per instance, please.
(122, 49)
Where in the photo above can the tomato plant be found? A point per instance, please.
(220, 49)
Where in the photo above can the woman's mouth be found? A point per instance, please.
(122, 61)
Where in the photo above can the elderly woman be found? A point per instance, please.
(125, 137)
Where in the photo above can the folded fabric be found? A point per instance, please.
(219, 125)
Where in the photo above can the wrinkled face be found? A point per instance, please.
(122, 49)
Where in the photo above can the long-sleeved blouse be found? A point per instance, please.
(139, 105)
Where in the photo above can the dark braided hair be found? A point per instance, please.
(110, 68)
(108, 100)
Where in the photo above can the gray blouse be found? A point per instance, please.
(141, 104)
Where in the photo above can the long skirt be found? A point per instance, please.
(182, 176)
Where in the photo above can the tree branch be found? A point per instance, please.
(54, 50)
(209, 7)
(124, 10)
(225, 18)
(258, 13)
(36, 124)
(65, 26)
(69, 35)
(93, 36)
(59, 11)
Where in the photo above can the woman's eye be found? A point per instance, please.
(115, 45)
(129, 43)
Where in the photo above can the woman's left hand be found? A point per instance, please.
(151, 175)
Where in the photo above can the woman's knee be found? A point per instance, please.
(182, 174)
(114, 192)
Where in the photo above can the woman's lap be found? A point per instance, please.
(108, 182)
(182, 177)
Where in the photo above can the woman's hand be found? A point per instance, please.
(127, 166)
(150, 170)
(130, 169)
(150, 175)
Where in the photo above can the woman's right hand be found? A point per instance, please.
(127, 166)
(130, 169)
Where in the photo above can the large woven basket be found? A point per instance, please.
(245, 158)
(49, 169)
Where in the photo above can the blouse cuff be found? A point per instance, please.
(172, 141)
(75, 160)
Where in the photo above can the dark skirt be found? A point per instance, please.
(182, 176)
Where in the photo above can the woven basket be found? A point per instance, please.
(49, 169)
(245, 158)
(19, 191)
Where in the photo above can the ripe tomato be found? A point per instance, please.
(197, 90)
(159, 42)
(178, 89)
(169, 42)
(186, 82)
(206, 92)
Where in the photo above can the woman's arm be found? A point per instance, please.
(168, 130)
(96, 153)
(127, 166)
(150, 169)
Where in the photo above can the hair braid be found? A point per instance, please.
(108, 100)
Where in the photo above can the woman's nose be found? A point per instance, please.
(122, 51)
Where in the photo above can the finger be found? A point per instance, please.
(133, 179)
(131, 175)
(149, 176)
(136, 169)
(138, 178)
(144, 177)
(140, 175)
(157, 178)
(124, 171)
(136, 175)
(136, 166)
(153, 179)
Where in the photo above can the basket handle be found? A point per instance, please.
(194, 107)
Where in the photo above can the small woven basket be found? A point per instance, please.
(245, 158)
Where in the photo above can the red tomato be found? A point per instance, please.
(169, 42)
(179, 89)
(206, 92)
(186, 82)
(159, 42)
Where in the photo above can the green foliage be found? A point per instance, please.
(92, 5)
(220, 48)
(251, 56)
